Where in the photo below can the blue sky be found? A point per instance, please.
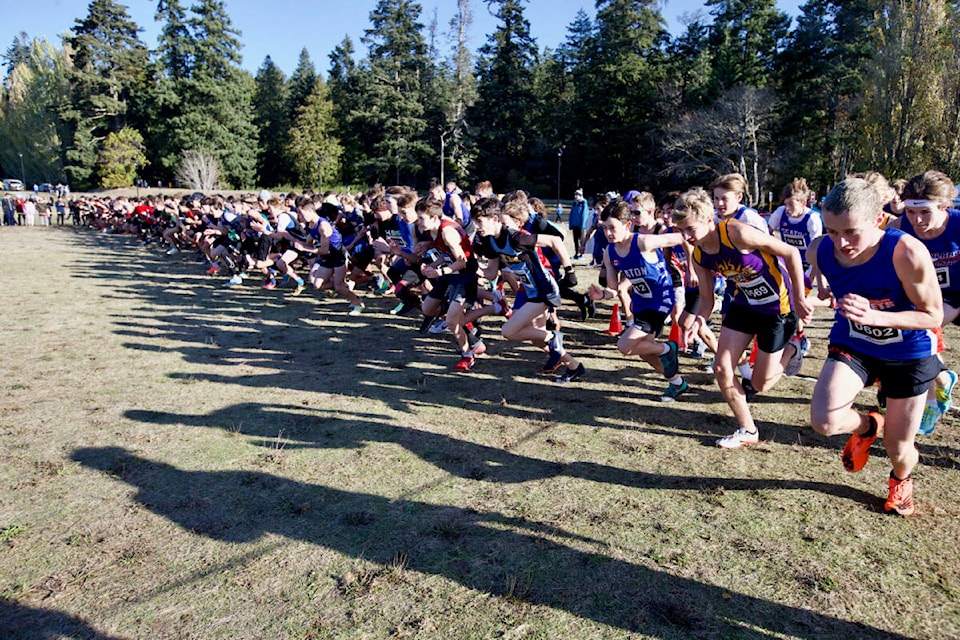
(281, 28)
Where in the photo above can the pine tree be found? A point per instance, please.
(463, 92)
(121, 156)
(341, 84)
(273, 123)
(109, 73)
(215, 111)
(744, 39)
(820, 87)
(313, 149)
(301, 83)
(391, 92)
(502, 118)
(619, 81)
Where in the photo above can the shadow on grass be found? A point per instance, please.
(486, 552)
(311, 428)
(18, 621)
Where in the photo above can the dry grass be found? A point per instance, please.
(181, 460)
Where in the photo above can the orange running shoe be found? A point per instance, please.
(900, 499)
(857, 451)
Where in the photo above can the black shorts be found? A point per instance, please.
(264, 245)
(772, 332)
(691, 301)
(362, 255)
(336, 258)
(650, 321)
(454, 288)
(899, 378)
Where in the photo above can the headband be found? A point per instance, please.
(918, 204)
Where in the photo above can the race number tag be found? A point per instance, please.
(794, 240)
(875, 335)
(943, 277)
(642, 288)
(523, 274)
(758, 291)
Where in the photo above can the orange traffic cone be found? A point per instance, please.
(616, 327)
(676, 336)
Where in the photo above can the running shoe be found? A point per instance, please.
(673, 391)
(669, 360)
(172, 251)
(466, 363)
(931, 416)
(739, 438)
(438, 327)
(300, 289)
(572, 375)
(382, 286)
(233, 281)
(427, 323)
(857, 451)
(355, 309)
(500, 305)
(402, 309)
(900, 498)
(804, 346)
(213, 270)
(793, 367)
(944, 394)
(556, 342)
(697, 350)
(479, 348)
(269, 284)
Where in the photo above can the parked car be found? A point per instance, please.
(9, 184)
(46, 187)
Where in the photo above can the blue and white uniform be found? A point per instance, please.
(652, 284)
(877, 281)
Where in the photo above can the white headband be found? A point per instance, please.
(919, 204)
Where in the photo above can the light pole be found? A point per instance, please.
(23, 176)
(443, 144)
(559, 160)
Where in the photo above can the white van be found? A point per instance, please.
(9, 184)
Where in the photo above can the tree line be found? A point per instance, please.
(620, 103)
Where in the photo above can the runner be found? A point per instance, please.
(518, 252)
(767, 276)
(639, 258)
(928, 218)
(887, 307)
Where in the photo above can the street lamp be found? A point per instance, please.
(443, 144)
(23, 175)
(559, 160)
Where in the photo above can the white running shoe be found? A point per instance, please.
(739, 438)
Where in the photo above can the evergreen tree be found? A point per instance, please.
(18, 52)
(502, 118)
(820, 88)
(301, 83)
(619, 83)
(391, 92)
(215, 101)
(108, 74)
(272, 122)
(343, 78)
(121, 156)
(313, 149)
(744, 39)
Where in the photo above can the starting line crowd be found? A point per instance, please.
(885, 258)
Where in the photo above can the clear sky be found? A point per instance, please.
(281, 28)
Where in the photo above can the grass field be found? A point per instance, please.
(181, 460)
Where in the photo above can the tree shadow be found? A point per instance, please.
(486, 552)
(19, 621)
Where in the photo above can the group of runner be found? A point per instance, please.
(885, 258)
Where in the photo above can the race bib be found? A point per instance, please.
(943, 277)
(758, 291)
(523, 274)
(875, 335)
(794, 240)
(642, 288)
